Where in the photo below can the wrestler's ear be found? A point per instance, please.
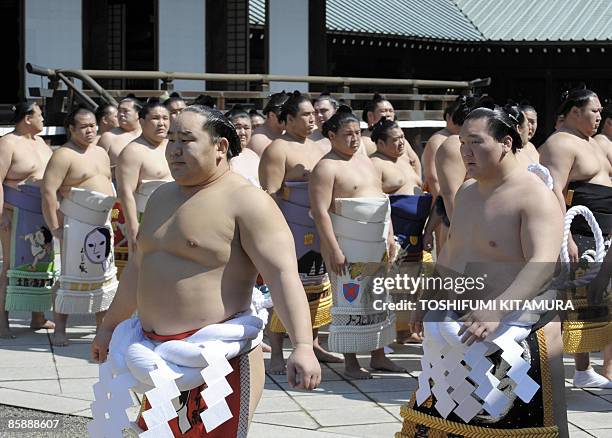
(222, 147)
(575, 110)
(370, 118)
(507, 144)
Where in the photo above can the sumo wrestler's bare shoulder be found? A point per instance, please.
(7, 142)
(275, 152)
(560, 143)
(132, 152)
(259, 142)
(449, 148)
(106, 140)
(532, 193)
(253, 207)
(65, 152)
(327, 166)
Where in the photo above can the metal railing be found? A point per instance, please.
(93, 89)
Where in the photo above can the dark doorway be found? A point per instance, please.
(120, 35)
(12, 51)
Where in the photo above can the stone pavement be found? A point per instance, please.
(35, 375)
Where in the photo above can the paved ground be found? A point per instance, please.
(37, 376)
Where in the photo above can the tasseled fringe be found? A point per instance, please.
(29, 300)
(320, 315)
(80, 302)
(355, 339)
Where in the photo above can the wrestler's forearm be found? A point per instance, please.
(128, 203)
(561, 199)
(433, 186)
(326, 230)
(49, 208)
(530, 281)
(433, 221)
(391, 233)
(291, 306)
(449, 203)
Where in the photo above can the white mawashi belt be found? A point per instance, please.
(162, 370)
(87, 206)
(144, 192)
(361, 226)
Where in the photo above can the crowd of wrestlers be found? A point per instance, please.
(190, 219)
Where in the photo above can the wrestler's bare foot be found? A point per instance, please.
(59, 339)
(265, 347)
(358, 374)
(321, 353)
(380, 362)
(277, 365)
(408, 337)
(40, 322)
(353, 370)
(325, 356)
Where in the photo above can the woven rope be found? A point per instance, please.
(469, 431)
(547, 393)
(600, 250)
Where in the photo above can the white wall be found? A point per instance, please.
(182, 40)
(53, 36)
(288, 42)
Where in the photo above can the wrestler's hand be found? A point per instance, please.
(572, 250)
(303, 369)
(477, 325)
(337, 262)
(58, 233)
(416, 327)
(392, 254)
(99, 346)
(132, 235)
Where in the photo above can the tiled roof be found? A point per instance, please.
(540, 20)
(468, 20)
(415, 18)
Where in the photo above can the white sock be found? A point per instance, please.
(591, 379)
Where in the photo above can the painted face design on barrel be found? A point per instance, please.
(97, 245)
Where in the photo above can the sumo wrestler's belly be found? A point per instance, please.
(97, 183)
(176, 295)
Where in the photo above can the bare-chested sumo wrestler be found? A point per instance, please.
(23, 157)
(192, 281)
